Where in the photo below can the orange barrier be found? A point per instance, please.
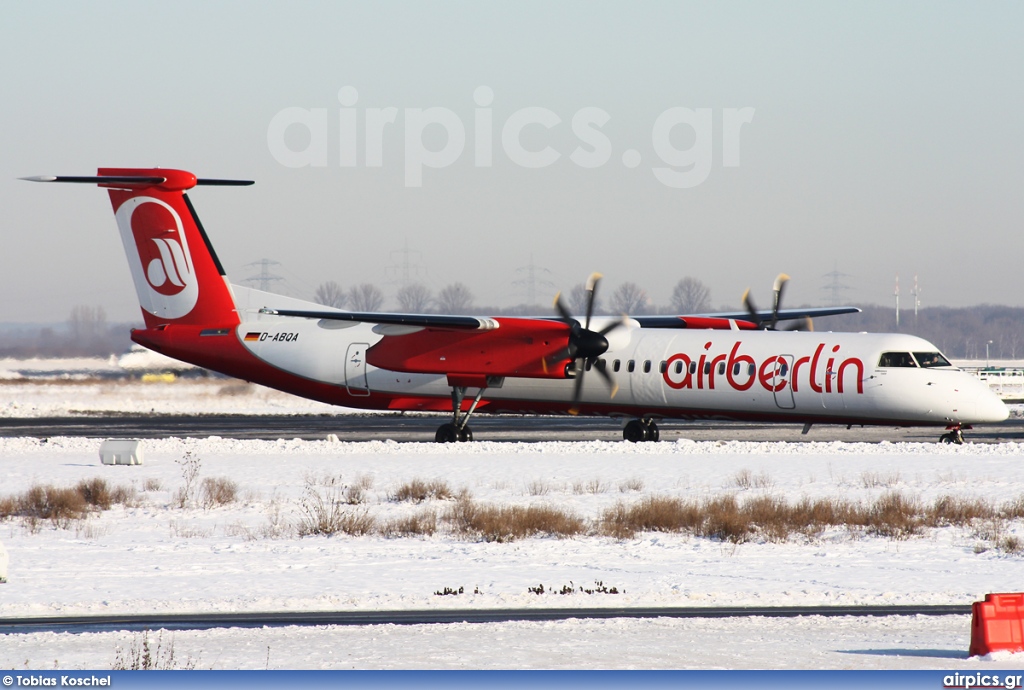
(998, 624)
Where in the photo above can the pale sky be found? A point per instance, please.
(885, 139)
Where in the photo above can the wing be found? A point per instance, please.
(434, 321)
(461, 347)
(744, 319)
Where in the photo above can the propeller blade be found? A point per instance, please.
(565, 353)
(612, 326)
(577, 389)
(777, 288)
(603, 371)
(804, 324)
(748, 302)
(592, 282)
(563, 311)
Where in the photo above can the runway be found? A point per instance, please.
(209, 621)
(421, 427)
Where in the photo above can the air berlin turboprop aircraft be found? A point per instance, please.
(710, 366)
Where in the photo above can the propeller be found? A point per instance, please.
(804, 324)
(585, 346)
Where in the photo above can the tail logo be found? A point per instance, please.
(158, 256)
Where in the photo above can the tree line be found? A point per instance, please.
(690, 296)
(961, 333)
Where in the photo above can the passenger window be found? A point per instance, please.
(721, 368)
(679, 367)
(663, 367)
(693, 367)
(931, 359)
(784, 369)
(630, 366)
(707, 368)
(736, 369)
(896, 359)
(751, 370)
(615, 365)
(647, 366)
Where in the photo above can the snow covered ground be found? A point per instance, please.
(154, 556)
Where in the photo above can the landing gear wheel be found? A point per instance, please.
(653, 434)
(465, 434)
(447, 433)
(956, 436)
(635, 431)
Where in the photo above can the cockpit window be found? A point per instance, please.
(896, 359)
(931, 359)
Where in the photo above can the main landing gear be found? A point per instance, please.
(640, 430)
(458, 431)
(954, 434)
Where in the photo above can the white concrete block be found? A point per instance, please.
(121, 451)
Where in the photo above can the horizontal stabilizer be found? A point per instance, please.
(132, 180)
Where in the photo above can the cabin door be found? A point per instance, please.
(783, 383)
(355, 369)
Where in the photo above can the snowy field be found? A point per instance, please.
(155, 555)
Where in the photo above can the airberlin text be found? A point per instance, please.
(741, 372)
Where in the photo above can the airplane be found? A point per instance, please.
(742, 366)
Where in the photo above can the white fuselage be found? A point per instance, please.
(671, 373)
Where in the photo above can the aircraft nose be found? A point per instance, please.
(989, 408)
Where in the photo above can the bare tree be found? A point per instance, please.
(629, 298)
(690, 296)
(414, 298)
(578, 301)
(455, 299)
(365, 297)
(330, 294)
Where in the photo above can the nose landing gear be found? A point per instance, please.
(640, 430)
(954, 434)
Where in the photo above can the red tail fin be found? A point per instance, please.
(177, 275)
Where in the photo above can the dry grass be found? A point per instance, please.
(592, 486)
(1014, 509)
(325, 511)
(538, 487)
(507, 523)
(63, 506)
(217, 491)
(418, 491)
(1012, 544)
(872, 480)
(631, 484)
(190, 467)
(142, 655)
(745, 479)
(951, 510)
(183, 530)
(893, 515)
(423, 523)
(651, 514)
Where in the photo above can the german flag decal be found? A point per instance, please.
(252, 337)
